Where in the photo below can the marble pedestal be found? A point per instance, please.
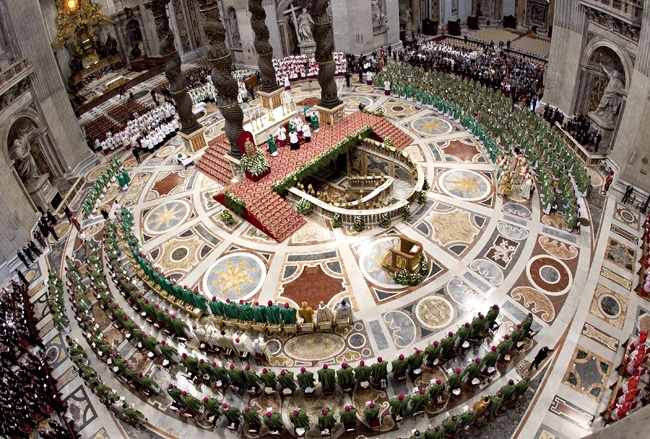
(42, 192)
(307, 48)
(272, 99)
(605, 128)
(331, 115)
(195, 140)
(237, 169)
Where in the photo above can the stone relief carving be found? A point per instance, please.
(613, 24)
(13, 93)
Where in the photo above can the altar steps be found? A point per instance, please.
(214, 164)
(146, 63)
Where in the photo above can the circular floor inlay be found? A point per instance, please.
(356, 341)
(313, 347)
(465, 184)
(610, 305)
(428, 126)
(235, 276)
(627, 216)
(549, 274)
(371, 261)
(179, 254)
(398, 108)
(166, 217)
(434, 312)
(274, 346)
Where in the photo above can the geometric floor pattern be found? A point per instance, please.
(482, 250)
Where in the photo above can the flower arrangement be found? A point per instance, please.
(388, 142)
(406, 213)
(226, 216)
(424, 265)
(337, 222)
(384, 220)
(422, 197)
(234, 203)
(255, 166)
(403, 277)
(426, 186)
(378, 113)
(359, 225)
(304, 207)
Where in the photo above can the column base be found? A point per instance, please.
(195, 140)
(331, 116)
(275, 96)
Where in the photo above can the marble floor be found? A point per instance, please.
(482, 250)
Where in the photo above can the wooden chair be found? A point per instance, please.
(274, 329)
(325, 432)
(325, 326)
(254, 430)
(328, 391)
(290, 329)
(258, 327)
(306, 328)
(351, 427)
(343, 323)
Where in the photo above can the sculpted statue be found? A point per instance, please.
(305, 23)
(234, 28)
(111, 45)
(611, 99)
(376, 13)
(404, 16)
(20, 152)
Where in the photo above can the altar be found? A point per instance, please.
(268, 122)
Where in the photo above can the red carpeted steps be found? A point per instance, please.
(214, 164)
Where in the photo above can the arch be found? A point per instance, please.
(626, 60)
(5, 131)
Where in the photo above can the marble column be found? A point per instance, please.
(173, 71)
(324, 46)
(220, 58)
(28, 27)
(262, 46)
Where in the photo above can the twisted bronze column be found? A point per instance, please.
(173, 72)
(324, 46)
(220, 59)
(264, 49)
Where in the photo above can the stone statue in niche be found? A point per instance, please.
(234, 28)
(20, 152)
(305, 22)
(111, 45)
(376, 13)
(405, 17)
(611, 98)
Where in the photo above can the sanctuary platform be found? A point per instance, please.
(265, 209)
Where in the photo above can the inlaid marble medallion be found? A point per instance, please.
(434, 312)
(627, 216)
(371, 259)
(235, 276)
(454, 226)
(166, 217)
(588, 373)
(549, 275)
(465, 184)
(621, 255)
(431, 125)
(352, 102)
(609, 306)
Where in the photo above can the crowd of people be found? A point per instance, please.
(28, 393)
(512, 73)
(299, 67)
(633, 392)
(578, 126)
